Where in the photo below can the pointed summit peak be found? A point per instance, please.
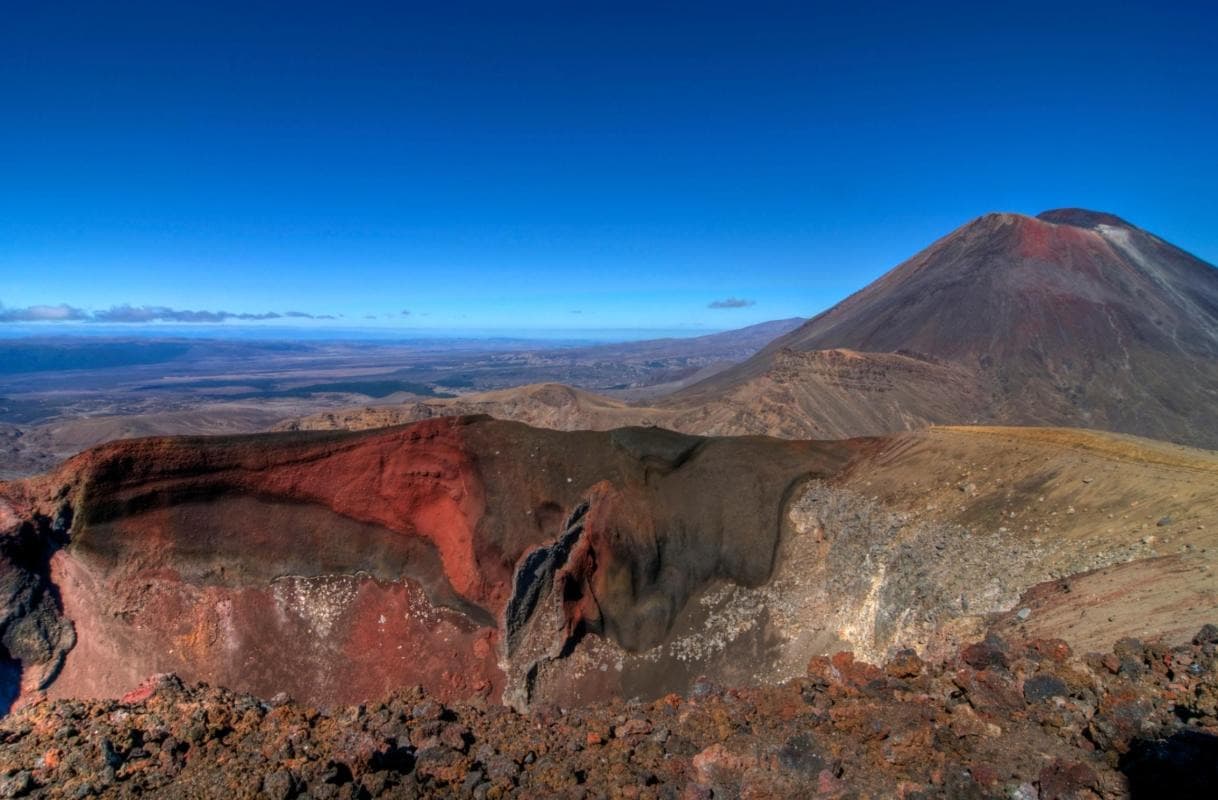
(995, 218)
(1081, 218)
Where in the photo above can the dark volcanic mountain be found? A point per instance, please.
(1072, 317)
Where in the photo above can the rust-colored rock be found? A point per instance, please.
(337, 567)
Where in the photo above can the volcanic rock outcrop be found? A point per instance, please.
(338, 566)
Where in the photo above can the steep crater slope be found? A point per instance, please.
(337, 566)
(481, 558)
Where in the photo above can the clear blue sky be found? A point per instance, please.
(511, 164)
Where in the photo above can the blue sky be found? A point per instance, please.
(572, 165)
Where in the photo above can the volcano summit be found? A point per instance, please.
(1069, 318)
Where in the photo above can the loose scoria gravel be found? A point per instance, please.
(1021, 721)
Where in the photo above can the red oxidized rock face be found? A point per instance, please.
(333, 573)
(338, 567)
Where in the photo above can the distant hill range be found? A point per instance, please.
(1072, 317)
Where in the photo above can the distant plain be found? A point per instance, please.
(62, 394)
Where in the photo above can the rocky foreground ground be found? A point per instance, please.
(1028, 720)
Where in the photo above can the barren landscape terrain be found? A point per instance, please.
(59, 396)
(490, 562)
(608, 401)
(597, 557)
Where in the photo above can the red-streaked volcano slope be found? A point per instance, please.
(1069, 318)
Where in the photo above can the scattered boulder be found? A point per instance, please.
(1066, 780)
(987, 654)
(905, 664)
(1044, 686)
